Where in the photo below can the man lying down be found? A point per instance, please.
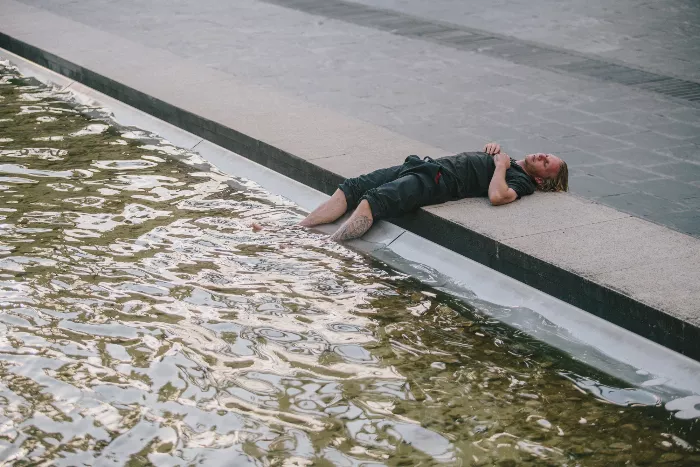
(419, 182)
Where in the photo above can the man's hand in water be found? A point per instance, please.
(492, 148)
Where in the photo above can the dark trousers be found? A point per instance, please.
(397, 190)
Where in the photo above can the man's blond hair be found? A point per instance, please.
(559, 183)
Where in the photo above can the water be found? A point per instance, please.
(143, 321)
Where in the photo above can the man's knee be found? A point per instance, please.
(365, 209)
(350, 191)
(401, 196)
(339, 194)
(381, 205)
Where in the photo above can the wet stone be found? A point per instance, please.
(480, 429)
(670, 457)
(645, 457)
(621, 446)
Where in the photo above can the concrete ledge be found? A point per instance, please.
(319, 148)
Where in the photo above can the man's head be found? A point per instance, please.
(548, 170)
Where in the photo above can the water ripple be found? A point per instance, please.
(143, 321)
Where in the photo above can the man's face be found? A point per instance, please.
(542, 165)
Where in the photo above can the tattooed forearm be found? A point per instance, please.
(355, 227)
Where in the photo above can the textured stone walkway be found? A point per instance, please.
(662, 37)
(457, 75)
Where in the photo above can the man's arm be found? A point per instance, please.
(499, 192)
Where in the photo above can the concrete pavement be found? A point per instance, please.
(630, 143)
(320, 99)
(662, 37)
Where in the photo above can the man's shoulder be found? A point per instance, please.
(519, 180)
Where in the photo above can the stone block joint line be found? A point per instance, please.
(510, 49)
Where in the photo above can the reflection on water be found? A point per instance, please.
(143, 321)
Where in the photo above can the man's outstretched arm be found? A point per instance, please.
(499, 192)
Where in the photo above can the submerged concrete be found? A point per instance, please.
(636, 274)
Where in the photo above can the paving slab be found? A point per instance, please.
(262, 102)
(583, 184)
(621, 172)
(648, 205)
(658, 283)
(530, 216)
(681, 220)
(645, 157)
(607, 246)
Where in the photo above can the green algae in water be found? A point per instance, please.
(143, 322)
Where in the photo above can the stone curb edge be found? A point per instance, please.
(570, 287)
